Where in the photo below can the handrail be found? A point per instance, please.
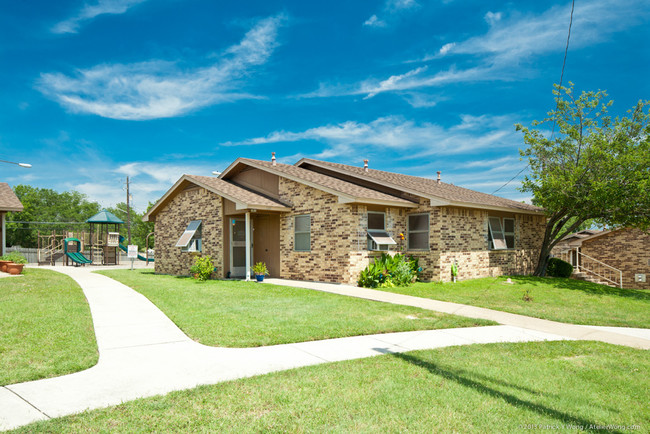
(581, 266)
(581, 258)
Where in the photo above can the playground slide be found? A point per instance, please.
(123, 247)
(78, 258)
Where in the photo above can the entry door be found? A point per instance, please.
(238, 247)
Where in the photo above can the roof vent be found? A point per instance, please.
(273, 158)
(365, 166)
(439, 172)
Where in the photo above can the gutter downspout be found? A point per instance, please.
(248, 246)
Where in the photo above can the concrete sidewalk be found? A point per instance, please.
(636, 338)
(142, 353)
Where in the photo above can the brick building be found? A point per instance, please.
(323, 221)
(9, 202)
(607, 254)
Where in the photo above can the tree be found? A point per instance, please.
(47, 206)
(595, 167)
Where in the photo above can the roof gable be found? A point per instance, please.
(8, 199)
(347, 192)
(439, 193)
(242, 197)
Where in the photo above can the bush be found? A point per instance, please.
(15, 257)
(389, 271)
(202, 268)
(559, 268)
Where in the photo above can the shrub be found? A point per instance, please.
(559, 268)
(202, 268)
(15, 257)
(389, 271)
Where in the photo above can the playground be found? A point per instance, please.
(97, 246)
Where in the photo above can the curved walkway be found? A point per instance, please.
(142, 352)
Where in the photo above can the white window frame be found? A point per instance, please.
(497, 238)
(409, 231)
(296, 232)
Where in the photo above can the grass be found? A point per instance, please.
(249, 314)
(45, 327)
(477, 388)
(564, 300)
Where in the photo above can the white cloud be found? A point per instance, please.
(397, 133)
(90, 11)
(445, 48)
(161, 89)
(373, 21)
(510, 41)
(390, 10)
(492, 17)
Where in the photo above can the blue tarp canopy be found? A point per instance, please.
(105, 217)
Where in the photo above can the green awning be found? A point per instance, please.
(105, 217)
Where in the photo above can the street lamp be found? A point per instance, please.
(17, 164)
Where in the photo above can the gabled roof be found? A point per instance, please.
(347, 192)
(243, 198)
(8, 199)
(105, 217)
(439, 193)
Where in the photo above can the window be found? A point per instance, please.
(418, 232)
(501, 233)
(302, 233)
(190, 241)
(378, 238)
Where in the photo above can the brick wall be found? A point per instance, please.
(334, 255)
(625, 249)
(171, 222)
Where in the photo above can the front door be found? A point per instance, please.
(238, 247)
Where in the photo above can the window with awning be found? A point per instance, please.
(190, 241)
(378, 238)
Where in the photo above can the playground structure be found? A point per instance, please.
(51, 245)
(72, 251)
(97, 246)
(104, 238)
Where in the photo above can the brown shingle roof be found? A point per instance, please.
(8, 200)
(354, 191)
(425, 186)
(241, 194)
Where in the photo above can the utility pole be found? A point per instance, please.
(128, 212)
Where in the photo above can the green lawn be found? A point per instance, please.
(477, 388)
(565, 300)
(45, 327)
(249, 314)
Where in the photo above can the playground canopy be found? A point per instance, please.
(106, 217)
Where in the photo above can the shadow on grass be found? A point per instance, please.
(580, 285)
(482, 387)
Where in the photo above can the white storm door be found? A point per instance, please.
(238, 247)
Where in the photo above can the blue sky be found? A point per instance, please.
(96, 90)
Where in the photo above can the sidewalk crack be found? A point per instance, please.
(29, 403)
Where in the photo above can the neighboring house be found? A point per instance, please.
(8, 203)
(611, 255)
(323, 221)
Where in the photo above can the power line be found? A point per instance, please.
(566, 50)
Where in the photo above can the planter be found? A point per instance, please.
(3, 265)
(259, 277)
(15, 268)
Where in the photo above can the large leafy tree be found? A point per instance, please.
(593, 168)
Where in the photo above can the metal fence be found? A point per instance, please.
(31, 254)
